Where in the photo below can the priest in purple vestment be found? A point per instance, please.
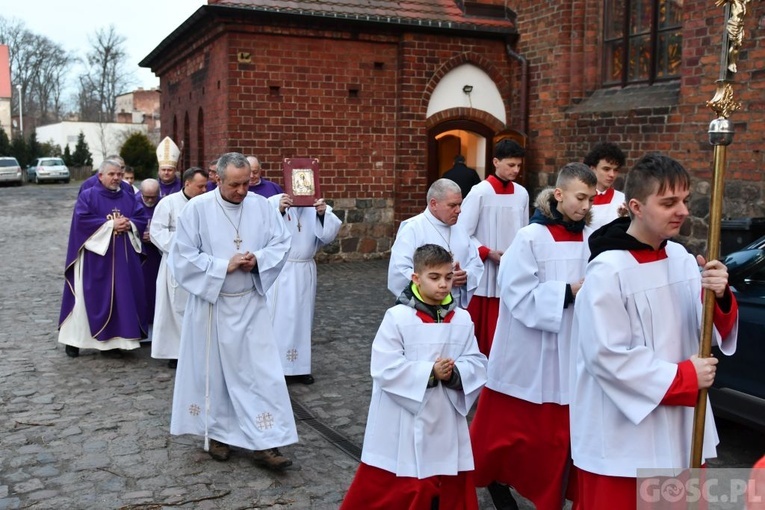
(168, 155)
(103, 306)
(258, 184)
(148, 198)
(93, 179)
(212, 175)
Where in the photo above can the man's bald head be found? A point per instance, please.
(254, 170)
(150, 192)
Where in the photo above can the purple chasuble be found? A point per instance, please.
(167, 189)
(150, 265)
(113, 290)
(210, 186)
(93, 179)
(266, 188)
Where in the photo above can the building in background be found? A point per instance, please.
(103, 138)
(140, 107)
(5, 91)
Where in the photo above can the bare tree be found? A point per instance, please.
(105, 76)
(40, 67)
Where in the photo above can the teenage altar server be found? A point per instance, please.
(635, 339)
(171, 298)
(292, 298)
(437, 225)
(606, 159)
(520, 432)
(426, 374)
(492, 213)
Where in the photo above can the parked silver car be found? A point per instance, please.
(10, 171)
(46, 170)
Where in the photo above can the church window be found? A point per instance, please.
(642, 41)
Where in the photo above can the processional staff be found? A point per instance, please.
(720, 136)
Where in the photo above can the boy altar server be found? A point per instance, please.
(635, 336)
(521, 432)
(605, 159)
(427, 372)
(492, 213)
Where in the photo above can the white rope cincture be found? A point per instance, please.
(207, 363)
(207, 377)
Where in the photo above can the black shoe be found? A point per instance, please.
(302, 379)
(305, 379)
(173, 363)
(72, 351)
(114, 353)
(501, 497)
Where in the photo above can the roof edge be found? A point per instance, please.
(226, 10)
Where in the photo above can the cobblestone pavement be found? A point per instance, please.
(93, 432)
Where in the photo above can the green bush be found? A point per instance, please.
(140, 153)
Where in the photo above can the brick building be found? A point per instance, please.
(385, 94)
(140, 106)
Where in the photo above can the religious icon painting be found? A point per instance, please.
(301, 180)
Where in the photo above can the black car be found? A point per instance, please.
(739, 390)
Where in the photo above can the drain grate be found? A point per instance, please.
(304, 415)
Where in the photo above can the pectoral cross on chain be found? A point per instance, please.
(237, 241)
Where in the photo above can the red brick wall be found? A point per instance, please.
(355, 101)
(561, 40)
(424, 60)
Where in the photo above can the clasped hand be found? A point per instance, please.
(443, 368)
(245, 261)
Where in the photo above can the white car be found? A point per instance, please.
(48, 169)
(10, 171)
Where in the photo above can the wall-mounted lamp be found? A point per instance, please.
(467, 89)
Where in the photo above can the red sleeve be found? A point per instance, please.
(483, 252)
(726, 313)
(685, 388)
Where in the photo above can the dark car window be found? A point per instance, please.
(8, 162)
(52, 162)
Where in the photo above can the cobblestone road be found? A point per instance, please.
(92, 432)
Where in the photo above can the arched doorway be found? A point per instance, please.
(472, 139)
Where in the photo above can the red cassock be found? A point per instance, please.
(484, 311)
(506, 428)
(377, 489)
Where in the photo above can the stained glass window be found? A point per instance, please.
(642, 40)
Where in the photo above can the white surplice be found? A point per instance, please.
(171, 298)
(606, 213)
(493, 220)
(291, 299)
(530, 355)
(633, 324)
(427, 229)
(229, 383)
(413, 430)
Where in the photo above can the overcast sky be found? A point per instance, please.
(143, 23)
